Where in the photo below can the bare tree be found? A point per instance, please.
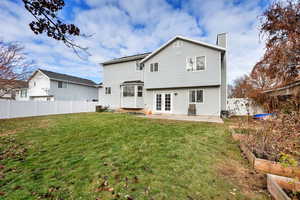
(241, 87)
(260, 79)
(281, 28)
(47, 21)
(14, 66)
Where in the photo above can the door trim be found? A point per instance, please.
(163, 96)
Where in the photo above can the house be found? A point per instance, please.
(181, 74)
(49, 86)
(13, 90)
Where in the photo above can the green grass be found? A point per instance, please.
(81, 156)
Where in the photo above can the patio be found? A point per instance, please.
(199, 118)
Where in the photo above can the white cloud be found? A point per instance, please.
(124, 27)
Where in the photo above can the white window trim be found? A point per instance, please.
(134, 91)
(195, 64)
(136, 70)
(154, 67)
(162, 102)
(137, 91)
(203, 92)
(105, 91)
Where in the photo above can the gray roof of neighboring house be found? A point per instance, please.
(126, 58)
(67, 78)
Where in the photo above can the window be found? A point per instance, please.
(140, 91)
(177, 44)
(23, 93)
(128, 91)
(158, 101)
(200, 62)
(189, 64)
(108, 90)
(139, 66)
(195, 64)
(196, 96)
(154, 67)
(61, 84)
(167, 102)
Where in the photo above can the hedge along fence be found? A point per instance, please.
(15, 109)
(265, 166)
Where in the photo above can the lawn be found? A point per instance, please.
(108, 156)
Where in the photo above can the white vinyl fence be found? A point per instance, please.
(242, 106)
(14, 109)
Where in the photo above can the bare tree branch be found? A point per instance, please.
(47, 21)
(14, 66)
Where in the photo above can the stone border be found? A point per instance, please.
(276, 184)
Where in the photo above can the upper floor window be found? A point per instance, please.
(24, 93)
(154, 67)
(128, 91)
(195, 64)
(200, 62)
(196, 96)
(139, 66)
(61, 84)
(108, 90)
(140, 91)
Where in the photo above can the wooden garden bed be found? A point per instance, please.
(265, 166)
(276, 184)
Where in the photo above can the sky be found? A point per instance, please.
(126, 27)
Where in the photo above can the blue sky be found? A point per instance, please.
(125, 27)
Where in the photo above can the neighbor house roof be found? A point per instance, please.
(216, 47)
(67, 78)
(126, 59)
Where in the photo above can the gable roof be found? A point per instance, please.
(126, 58)
(216, 47)
(67, 78)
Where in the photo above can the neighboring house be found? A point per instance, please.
(19, 91)
(181, 74)
(49, 86)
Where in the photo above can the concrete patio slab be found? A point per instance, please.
(200, 118)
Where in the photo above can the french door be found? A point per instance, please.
(163, 102)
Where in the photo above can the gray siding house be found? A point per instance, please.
(45, 85)
(180, 74)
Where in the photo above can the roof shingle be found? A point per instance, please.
(126, 58)
(67, 78)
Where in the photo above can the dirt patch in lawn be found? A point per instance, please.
(9, 132)
(250, 182)
(45, 123)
